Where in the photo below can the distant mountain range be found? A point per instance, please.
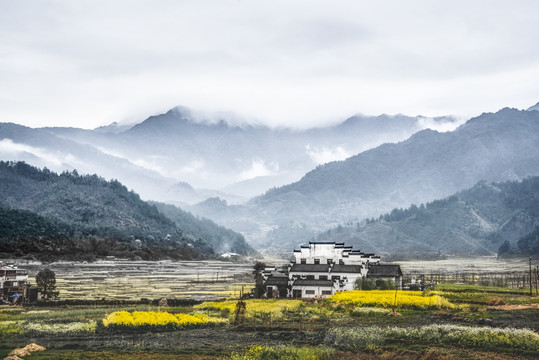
(211, 166)
(476, 221)
(68, 215)
(429, 165)
(185, 158)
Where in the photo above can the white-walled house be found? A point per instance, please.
(322, 268)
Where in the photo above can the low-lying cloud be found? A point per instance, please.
(259, 168)
(323, 155)
(57, 162)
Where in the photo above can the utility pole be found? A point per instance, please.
(531, 294)
(536, 278)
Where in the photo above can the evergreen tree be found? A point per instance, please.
(46, 283)
(259, 280)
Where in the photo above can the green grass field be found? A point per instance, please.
(482, 323)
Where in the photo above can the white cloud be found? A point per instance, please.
(323, 155)
(192, 167)
(8, 148)
(89, 63)
(258, 168)
(441, 125)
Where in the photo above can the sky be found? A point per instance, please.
(280, 63)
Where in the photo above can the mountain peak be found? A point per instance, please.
(114, 128)
(534, 107)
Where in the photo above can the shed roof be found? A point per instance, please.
(276, 280)
(384, 270)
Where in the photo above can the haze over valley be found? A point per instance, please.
(280, 187)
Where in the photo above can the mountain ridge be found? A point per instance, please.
(88, 207)
(426, 161)
(475, 221)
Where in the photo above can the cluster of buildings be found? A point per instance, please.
(14, 287)
(320, 269)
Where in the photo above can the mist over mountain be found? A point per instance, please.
(429, 165)
(476, 221)
(41, 148)
(232, 159)
(211, 165)
(86, 214)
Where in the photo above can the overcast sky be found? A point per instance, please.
(293, 63)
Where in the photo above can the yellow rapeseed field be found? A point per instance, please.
(153, 318)
(386, 298)
(269, 306)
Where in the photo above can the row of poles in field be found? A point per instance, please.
(523, 279)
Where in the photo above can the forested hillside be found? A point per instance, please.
(86, 216)
(472, 222)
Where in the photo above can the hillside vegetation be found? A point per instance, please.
(474, 221)
(47, 215)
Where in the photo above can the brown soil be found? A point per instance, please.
(34, 347)
(20, 352)
(513, 307)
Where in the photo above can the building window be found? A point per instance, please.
(309, 292)
(317, 261)
(326, 292)
(304, 261)
(330, 261)
(310, 277)
(335, 277)
(323, 277)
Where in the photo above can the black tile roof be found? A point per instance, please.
(304, 282)
(384, 270)
(273, 280)
(338, 268)
(309, 268)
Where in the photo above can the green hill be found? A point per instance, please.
(476, 221)
(87, 217)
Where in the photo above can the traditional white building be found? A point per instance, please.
(322, 268)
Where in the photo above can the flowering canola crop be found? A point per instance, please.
(386, 298)
(271, 306)
(153, 318)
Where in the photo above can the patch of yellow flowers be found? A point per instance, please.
(253, 306)
(153, 318)
(386, 299)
